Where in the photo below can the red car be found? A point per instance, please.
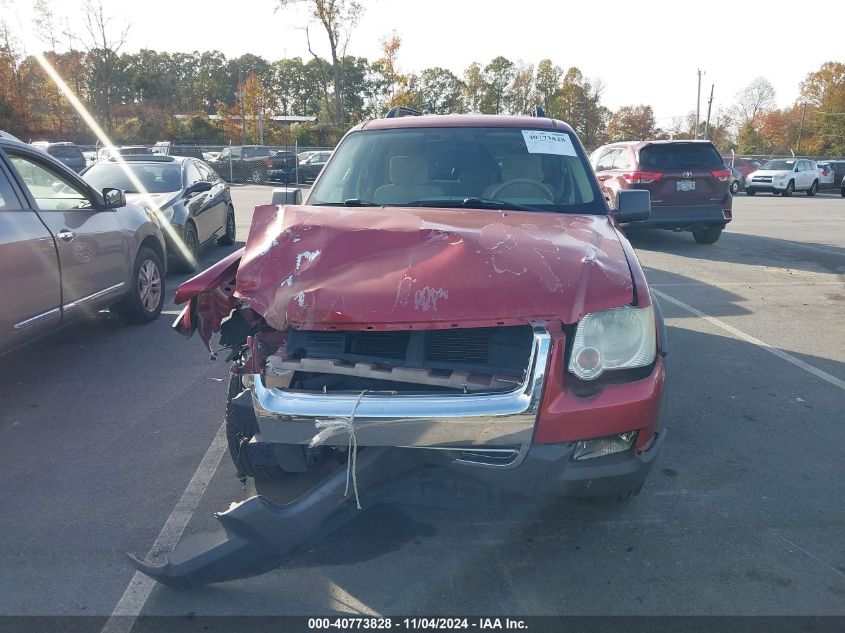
(454, 292)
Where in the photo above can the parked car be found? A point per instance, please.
(104, 153)
(838, 167)
(737, 180)
(66, 152)
(453, 282)
(311, 167)
(254, 163)
(194, 201)
(688, 182)
(210, 156)
(784, 176)
(169, 148)
(68, 249)
(743, 165)
(826, 176)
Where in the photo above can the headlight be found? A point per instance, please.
(165, 215)
(619, 338)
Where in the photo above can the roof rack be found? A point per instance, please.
(396, 111)
(539, 112)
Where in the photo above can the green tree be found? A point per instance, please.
(547, 83)
(475, 87)
(440, 91)
(498, 75)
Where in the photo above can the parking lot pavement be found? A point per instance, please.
(104, 426)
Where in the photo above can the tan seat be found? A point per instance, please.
(521, 167)
(409, 181)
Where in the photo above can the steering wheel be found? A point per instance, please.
(544, 190)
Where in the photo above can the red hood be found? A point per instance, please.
(399, 268)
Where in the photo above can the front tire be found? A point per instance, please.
(146, 296)
(750, 192)
(228, 238)
(790, 189)
(708, 235)
(813, 189)
(239, 432)
(190, 241)
(735, 187)
(256, 177)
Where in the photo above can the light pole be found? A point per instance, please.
(698, 104)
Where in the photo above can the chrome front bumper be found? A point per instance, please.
(492, 429)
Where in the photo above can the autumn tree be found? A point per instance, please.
(337, 17)
(475, 87)
(579, 103)
(632, 123)
(522, 98)
(823, 93)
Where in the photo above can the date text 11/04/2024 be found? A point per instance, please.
(416, 624)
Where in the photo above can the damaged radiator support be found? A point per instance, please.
(279, 373)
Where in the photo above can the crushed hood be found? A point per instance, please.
(399, 268)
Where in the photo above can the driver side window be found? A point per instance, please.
(51, 191)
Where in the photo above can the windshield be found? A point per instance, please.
(157, 178)
(538, 170)
(779, 165)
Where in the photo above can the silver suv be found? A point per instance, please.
(68, 250)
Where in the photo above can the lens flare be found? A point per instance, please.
(91, 122)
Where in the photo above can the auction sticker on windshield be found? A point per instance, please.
(540, 142)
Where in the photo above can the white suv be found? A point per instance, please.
(784, 176)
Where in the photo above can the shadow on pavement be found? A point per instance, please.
(741, 248)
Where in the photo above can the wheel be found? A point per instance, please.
(146, 296)
(239, 431)
(184, 263)
(750, 192)
(734, 187)
(256, 176)
(813, 189)
(790, 189)
(708, 235)
(228, 238)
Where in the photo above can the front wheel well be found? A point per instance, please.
(154, 245)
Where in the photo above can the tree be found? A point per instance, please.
(579, 104)
(756, 98)
(337, 18)
(632, 123)
(102, 48)
(522, 98)
(547, 82)
(749, 140)
(498, 75)
(823, 98)
(475, 87)
(440, 91)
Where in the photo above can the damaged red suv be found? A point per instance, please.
(454, 289)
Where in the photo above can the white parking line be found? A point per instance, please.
(749, 284)
(789, 358)
(141, 586)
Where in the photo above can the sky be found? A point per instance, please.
(643, 52)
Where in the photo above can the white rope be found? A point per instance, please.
(335, 426)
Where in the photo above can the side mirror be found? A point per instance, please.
(632, 205)
(197, 187)
(114, 198)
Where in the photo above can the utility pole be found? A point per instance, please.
(698, 104)
(709, 105)
(801, 128)
(241, 97)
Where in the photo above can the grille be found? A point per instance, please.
(497, 350)
(382, 344)
(462, 346)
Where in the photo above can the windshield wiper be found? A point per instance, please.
(357, 202)
(471, 203)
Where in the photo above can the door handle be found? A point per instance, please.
(65, 235)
